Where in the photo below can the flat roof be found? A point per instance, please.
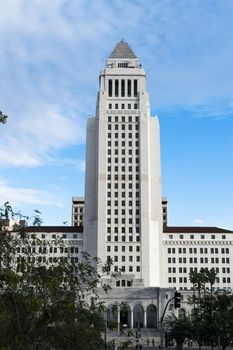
(195, 229)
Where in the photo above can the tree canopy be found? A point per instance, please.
(3, 118)
(44, 305)
(211, 319)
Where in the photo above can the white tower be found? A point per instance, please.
(123, 212)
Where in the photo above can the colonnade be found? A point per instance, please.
(134, 316)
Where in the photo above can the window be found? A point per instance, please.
(212, 236)
(116, 88)
(129, 88)
(202, 236)
(191, 236)
(110, 88)
(110, 106)
(122, 88)
(135, 88)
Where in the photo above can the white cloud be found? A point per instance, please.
(51, 51)
(21, 196)
(198, 221)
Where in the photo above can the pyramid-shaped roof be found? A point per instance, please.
(122, 50)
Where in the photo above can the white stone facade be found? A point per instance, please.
(123, 214)
(186, 249)
(77, 217)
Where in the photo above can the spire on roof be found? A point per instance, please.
(122, 50)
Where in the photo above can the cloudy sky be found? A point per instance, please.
(51, 53)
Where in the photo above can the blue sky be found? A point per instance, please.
(51, 53)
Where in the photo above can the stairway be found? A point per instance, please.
(146, 337)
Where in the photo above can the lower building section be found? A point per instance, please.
(136, 308)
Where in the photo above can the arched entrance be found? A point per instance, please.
(138, 316)
(125, 315)
(112, 316)
(151, 315)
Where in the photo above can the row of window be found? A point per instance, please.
(123, 212)
(184, 269)
(123, 126)
(123, 144)
(201, 250)
(78, 210)
(123, 135)
(123, 168)
(130, 185)
(201, 260)
(123, 248)
(130, 269)
(185, 280)
(123, 238)
(122, 203)
(197, 237)
(123, 160)
(76, 217)
(123, 194)
(122, 88)
(123, 106)
(124, 283)
(122, 151)
(54, 236)
(123, 258)
(44, 259)
(45, 250)
(123, 177)
(123, 119)
(123, 220)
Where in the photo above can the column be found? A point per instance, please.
(131, 319)
(145, 319)
(118, 318)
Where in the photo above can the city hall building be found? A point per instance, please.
(123, 216)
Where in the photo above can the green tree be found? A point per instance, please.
(48, 306)
(212, 316)
(178, 328)
(3, 118)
